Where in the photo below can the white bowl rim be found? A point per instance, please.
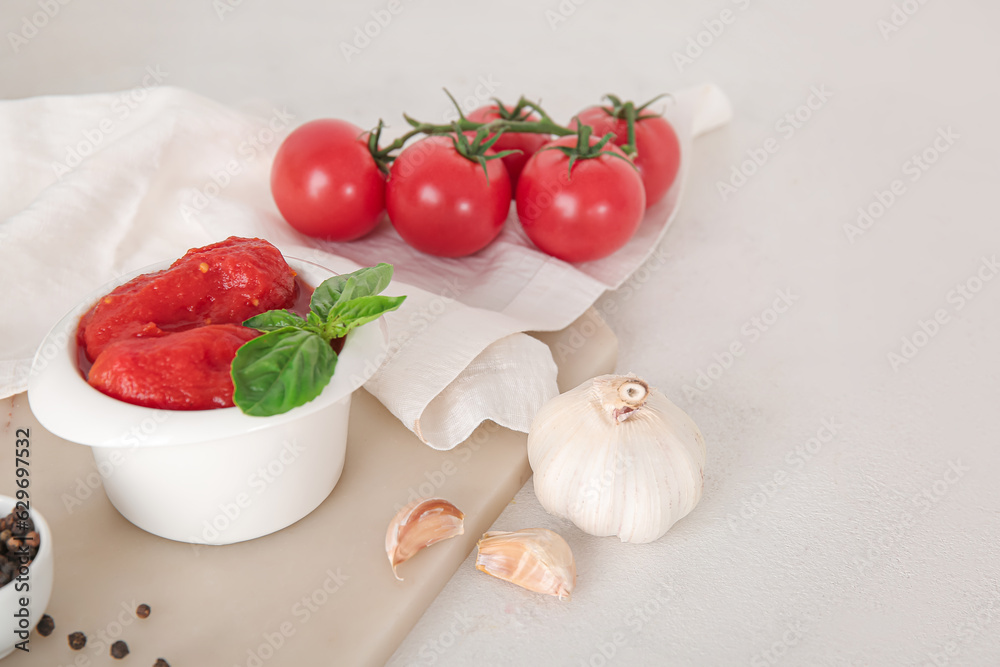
(67, 406)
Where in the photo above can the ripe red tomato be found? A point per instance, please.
(326, 183)
(658, 152)
(525, 142)
(583, 215)
(441, 202)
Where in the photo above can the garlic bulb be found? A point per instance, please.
(615, 457)
(418, 525)
(534, 558)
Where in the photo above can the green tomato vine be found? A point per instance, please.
(512, 119)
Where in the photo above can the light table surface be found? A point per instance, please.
(851, 514)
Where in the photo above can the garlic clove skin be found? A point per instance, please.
(616, 457)
(537, 559)
(419, 525)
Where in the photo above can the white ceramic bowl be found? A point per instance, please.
(204, 476)
(39, 583)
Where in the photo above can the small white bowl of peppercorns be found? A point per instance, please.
(25, 572)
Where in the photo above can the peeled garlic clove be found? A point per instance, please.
(419, 525)
(534, 558)
(616, 457)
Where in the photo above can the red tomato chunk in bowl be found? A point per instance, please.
(187, 370)
(167, 339)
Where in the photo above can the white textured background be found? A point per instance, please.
(868, 553)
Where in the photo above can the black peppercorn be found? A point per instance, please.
(119, 650)
(77, 641)
(142, 611)
(160, 662)
(15, 533)
(46, 625)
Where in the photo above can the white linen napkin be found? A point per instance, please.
(95, 186)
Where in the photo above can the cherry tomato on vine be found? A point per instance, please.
(441, 202)
(326, 183)
(525, 142)
(581, 215)
(658, 152)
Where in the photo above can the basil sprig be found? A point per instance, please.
(293, 361)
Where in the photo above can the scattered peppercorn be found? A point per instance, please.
(46, 625)
(142, 611)
(119, 650)
(160, 662)
(77, 641)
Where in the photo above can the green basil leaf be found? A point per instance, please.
(363, 282)
(370, 281)
(281, 370)
(349, 288)
(273, 320)
(351, 314)
(312, 319)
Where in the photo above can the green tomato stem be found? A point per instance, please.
(543, 126)
(630, 114)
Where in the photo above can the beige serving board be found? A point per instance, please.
(319, 592)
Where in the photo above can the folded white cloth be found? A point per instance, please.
(95, 186)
